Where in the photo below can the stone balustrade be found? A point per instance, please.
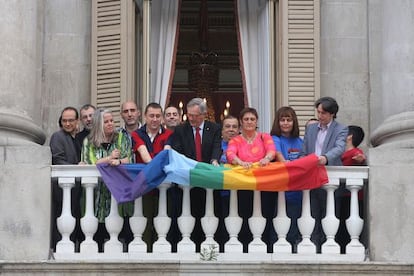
(67, 176)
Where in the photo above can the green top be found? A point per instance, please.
(90, 154)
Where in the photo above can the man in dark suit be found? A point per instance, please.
(65, 150)
(63, 145)
(185, 140)
(327, 139)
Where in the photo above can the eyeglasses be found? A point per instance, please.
(68, 121)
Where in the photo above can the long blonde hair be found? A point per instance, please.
(97, 135)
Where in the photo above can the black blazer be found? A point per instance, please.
(65, 150)
(183, 141)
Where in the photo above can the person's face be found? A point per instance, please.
(86, 117)
(286, 126)
(249, 122)
(69, 121)
(172, 117)
(230, 128)
(153, 118)
(195, 117)
(130, 113)
(109, 125)
(324, 117)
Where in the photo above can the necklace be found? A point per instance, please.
(249, 139)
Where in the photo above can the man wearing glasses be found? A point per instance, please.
(65, 150)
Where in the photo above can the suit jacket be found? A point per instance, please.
(82, 135)
(64, 148)
(333, 146)
(183, 141)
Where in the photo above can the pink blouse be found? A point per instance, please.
(250, 152)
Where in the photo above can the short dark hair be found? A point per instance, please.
(357, 135)
(171, 105)
(248, 110)
(328, 104)
(229, 116)
(65, 109)
(153, 105)
(87, 106)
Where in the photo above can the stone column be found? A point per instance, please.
(66, 61)
(24, 163)
(391, 160)
(344, 59)
(20, 73)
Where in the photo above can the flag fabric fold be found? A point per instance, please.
(129, 181)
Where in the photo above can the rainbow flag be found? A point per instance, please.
(127, 182)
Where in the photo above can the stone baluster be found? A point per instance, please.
(257, 224)
(89, 223)
(209, 222)
(138, 223)
(282, 224)
(354, 223)
(113, 224)
(162, 222)
(330, 223)
(66, 222)
(186, 224)
(306, 223)
(233, 225)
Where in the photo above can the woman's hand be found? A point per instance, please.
(246, 165)
(115, 154)
(264, 162)
(115, 162)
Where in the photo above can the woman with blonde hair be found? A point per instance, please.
(106, 145)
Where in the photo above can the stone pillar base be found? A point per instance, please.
(391, 197)
(24, 202)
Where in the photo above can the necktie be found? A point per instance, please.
(198, 144)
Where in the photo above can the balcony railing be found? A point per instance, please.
(352, 177)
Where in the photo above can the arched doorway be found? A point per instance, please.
(219, 37)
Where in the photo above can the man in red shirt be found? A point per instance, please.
(148, 141)
(353, 156)
(152, 137)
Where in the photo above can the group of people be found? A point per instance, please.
(237, 141)
(101, 142)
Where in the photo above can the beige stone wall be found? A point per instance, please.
(344, 59)
(66, 58)
(391, 64)
(24, 202)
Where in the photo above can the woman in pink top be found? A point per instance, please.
(250, 146)
(245, 149)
